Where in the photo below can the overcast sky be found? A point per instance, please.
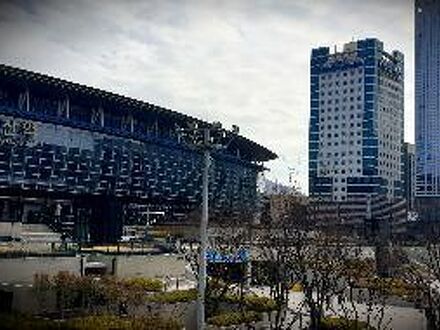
(240, 62)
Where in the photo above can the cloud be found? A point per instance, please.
(241, 62)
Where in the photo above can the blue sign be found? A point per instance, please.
(242, 255)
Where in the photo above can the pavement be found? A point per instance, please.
(394, 317)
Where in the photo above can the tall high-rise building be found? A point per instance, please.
(356, 123)
(427, 107)
(409, 180)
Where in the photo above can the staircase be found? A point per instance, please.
(29, 232)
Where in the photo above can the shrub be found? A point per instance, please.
(234, 318)
(42, 286)
(259, 304)
(253, 302)
(231, 298)
(391, 286)
(297, 287)
(147, 284)
(173, 297)
(340, 323)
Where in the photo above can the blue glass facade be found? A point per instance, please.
(427, 97)
(427, 109)
(63, 140)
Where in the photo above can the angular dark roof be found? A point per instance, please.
(39, 80)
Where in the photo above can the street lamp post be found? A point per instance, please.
(203, 233)
(206, 139)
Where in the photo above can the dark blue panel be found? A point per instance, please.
(370, 152)
(369, 88)
(370, 142)
(369, 97)
(370, 71)
(370, 80)
(369, 171)
(313, 145)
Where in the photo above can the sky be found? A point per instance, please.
(242, 62)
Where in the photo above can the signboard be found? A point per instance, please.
(16, 132)
(241, 255)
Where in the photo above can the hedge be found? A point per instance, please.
(234, 318)
(253, 302)
(340, 323)
(96, 322)
(173, 297)
(147, 284)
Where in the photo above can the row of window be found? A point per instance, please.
(343, 100)
(343, 125)
(392, 111)
(336, 135)
(342, 162)
(389, 173)
(343, 108)
(389, 165)
(343, 117)
(337, 171)
(338, 83)
(390, 146)
(338, 74)
(344, 91)
(342, 154)
(343, 142)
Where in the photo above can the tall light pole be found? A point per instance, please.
(206, 139)
(203, 232)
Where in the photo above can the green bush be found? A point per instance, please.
(253, 302)
(173, 297)
(234, 318)
(231, 298)
(340, 323)
(259, 304)
(147, 284)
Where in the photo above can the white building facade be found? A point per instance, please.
(356, 123)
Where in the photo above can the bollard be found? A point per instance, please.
(81, 266)
(114, 266)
